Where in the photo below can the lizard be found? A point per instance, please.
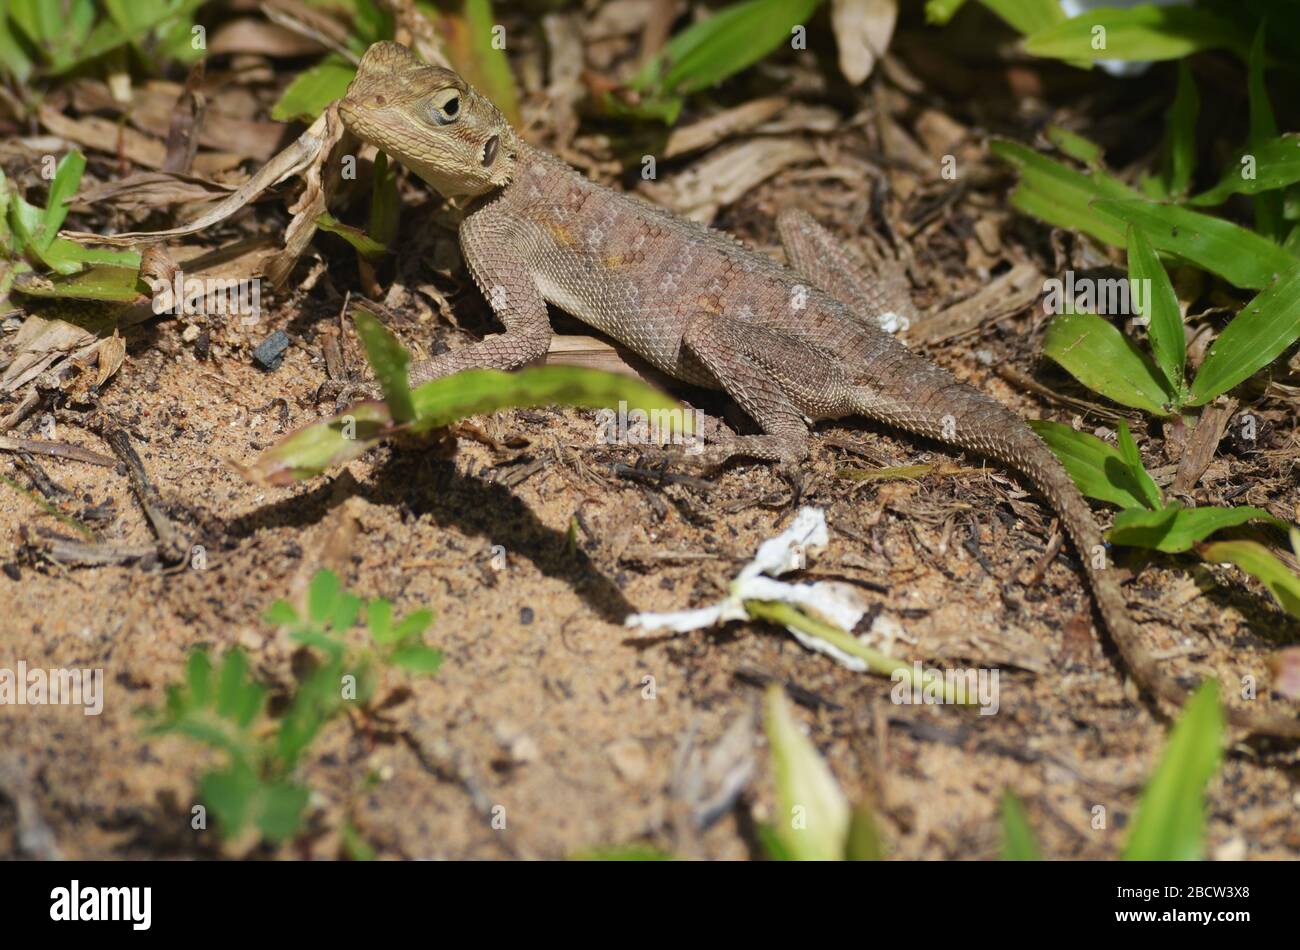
(789, 344)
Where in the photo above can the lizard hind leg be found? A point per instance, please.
(876, 290)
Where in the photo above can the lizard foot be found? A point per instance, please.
(784, 457)
(345, 393)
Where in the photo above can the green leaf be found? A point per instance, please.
(346, 610)
(389, 359)
(1240, 257)
(1263, 126)
(280, 614)
(417, 659)
(1259, 561)
(379, 620)
(1273, 164)
(322, 595)
(1180, 134)
(199, 673)
(1158, 305)
(316, 699)
(354, 846)
(13, 57)
(812, 815)
(230, 689)
(229, 795)
(1027, 16)
(365, 245)
(1075, 146)
(623, 852)
(385, 203)
(1128, 451)
(1106, 361)
(447, 400)
(1018, 842)
(105, 283)
(1062, 196)
(721, 45)
(280, 808)
(1176, 529)
(1170, 820)
(1098, 469)
(1145, 32)
(939, 12)
(413, 625)
(67, 177)
(313, 449)
(1259, 334)
(476, 56)
(314, 89)
(863, 842)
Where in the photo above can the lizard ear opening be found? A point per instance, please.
(490, 148)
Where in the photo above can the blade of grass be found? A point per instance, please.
(1176, 529)
(1145, 32)
(1259, 561)
(1159, 307)
(1170, 820)
(1098, 469)
(1240, 257)
(1260, 333)
(1091, 350)
(1180, 134)
(1018, 842)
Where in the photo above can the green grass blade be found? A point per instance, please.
(1174, 529)
(1144, 32)
(812, 818)
(1098, 469)
(1018, 842)
(1263, 126)
(1027, 16)
(1259, 561)
(1170, 820)
(315, 448)
(1271, 164)
(1159, 307)
(722, 45)
(1062, 196)
(1180, 134)
(67, 177)
(1242, 258)
(389, 359)
(1075, 146)
(1106, 361)
(313, 89)
(1260, 333)
(1128, 451)
(444, 401)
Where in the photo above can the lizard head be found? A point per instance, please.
(430, 120)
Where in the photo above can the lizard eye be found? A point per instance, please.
(447, 112)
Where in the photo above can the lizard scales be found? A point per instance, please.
(789, 345)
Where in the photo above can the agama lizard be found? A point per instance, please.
(789, 345)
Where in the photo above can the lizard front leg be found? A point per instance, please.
(504, 276)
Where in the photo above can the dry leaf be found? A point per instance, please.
(863, 29)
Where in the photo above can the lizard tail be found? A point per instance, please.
(976, 422)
